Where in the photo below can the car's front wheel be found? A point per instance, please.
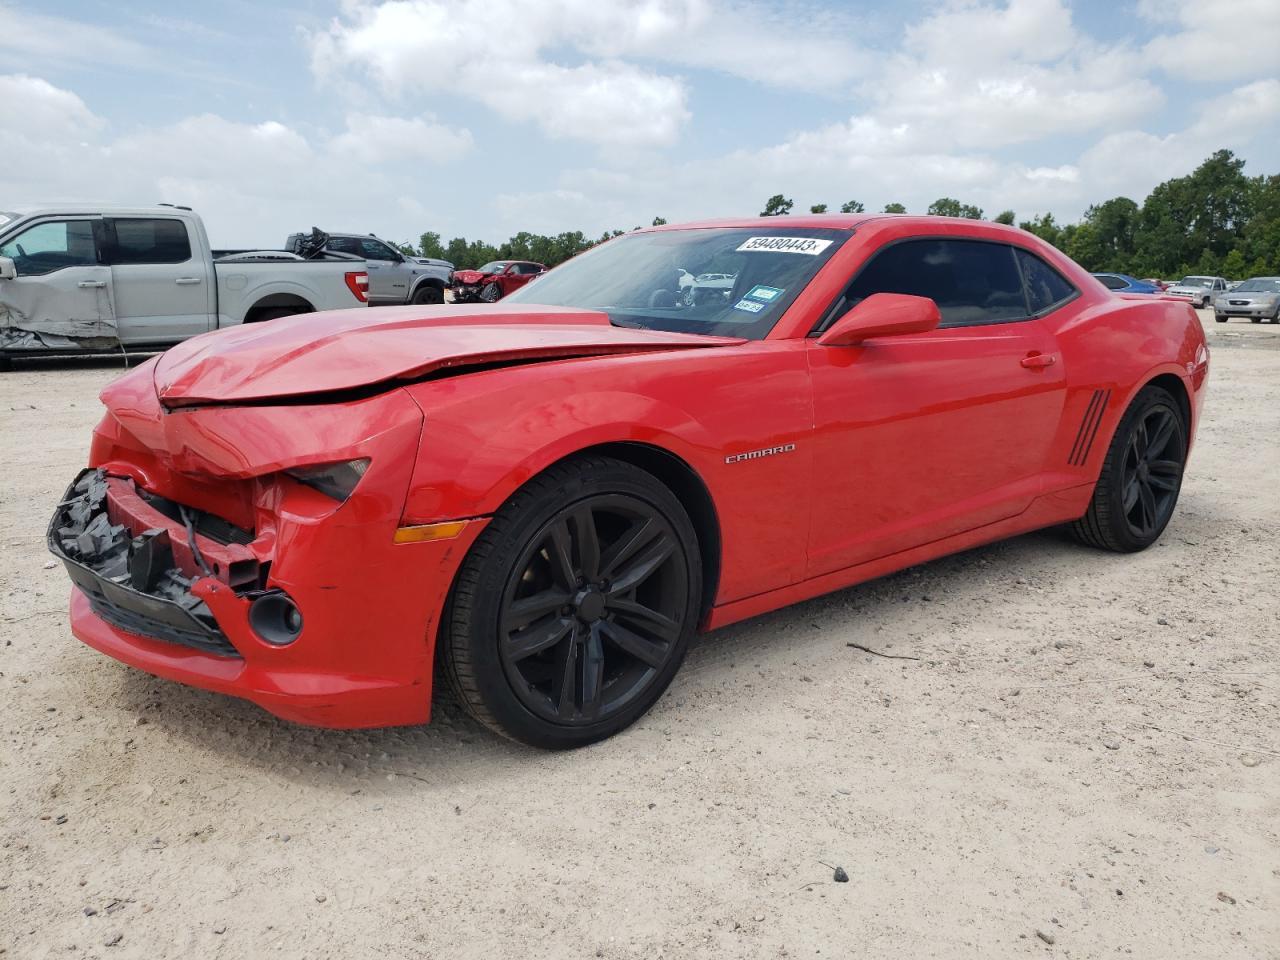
(1141, 476)
(491, 292)
(574, 608)
(428, 293)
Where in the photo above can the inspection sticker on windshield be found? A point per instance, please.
(750, 306)
(784, 245)
(762, 294)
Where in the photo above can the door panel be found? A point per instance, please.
(42, 311)
(924, 436)
(388, 281)
(163, 292)
(61, 296)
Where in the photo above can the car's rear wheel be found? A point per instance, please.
(1141, 476)
(428, 293)
(491, 292)
(574, 608)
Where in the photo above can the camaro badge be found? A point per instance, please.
(757, 454)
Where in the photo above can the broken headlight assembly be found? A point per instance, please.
(336, 480)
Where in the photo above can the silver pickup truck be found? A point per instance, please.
(393, 277)
(92, 279)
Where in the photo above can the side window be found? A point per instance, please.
(1046, 287)
(1112, 283)
(52, 245)
(344, 245)
(149, 241)
(971, 281)
(376, 250)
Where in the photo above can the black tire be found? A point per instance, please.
(1220, 319)
(491, 292)
(524, 637)
(428, 293)
(6, 363)
(275, 313)
(1141, 477)
(1255, 319)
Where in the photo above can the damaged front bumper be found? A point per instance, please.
(133, 582)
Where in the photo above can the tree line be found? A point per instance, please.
(1215, 221)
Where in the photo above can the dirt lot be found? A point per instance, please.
(1084, 761)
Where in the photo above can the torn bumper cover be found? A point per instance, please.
(182, 593)
(131, 581)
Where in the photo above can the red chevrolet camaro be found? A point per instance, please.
(549, 496)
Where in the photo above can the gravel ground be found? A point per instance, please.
(1084, 760)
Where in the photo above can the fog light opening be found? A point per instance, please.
(276, 619)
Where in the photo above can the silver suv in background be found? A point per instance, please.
(393, 277)
(1257, 298)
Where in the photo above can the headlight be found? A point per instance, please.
(336, 480)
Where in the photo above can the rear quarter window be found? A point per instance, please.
(157, 240)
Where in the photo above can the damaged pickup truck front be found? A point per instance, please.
(89, 279)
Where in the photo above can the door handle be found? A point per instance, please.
(1038, 361)
(186, 281)
(92, 284)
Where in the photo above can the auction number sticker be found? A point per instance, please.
(807, 245)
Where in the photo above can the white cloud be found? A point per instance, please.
(1227, 39)
(375, 139)
(568, 65)
(252, 182)
(1133, 161)
(30, 39)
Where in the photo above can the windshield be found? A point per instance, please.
(497, 266)
(1196, 282)
(1259, 285)
(746, 278)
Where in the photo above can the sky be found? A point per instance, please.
(480, 118)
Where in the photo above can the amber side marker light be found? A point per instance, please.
(430, 531)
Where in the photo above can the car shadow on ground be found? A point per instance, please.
(455, 748)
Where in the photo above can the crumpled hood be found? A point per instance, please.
(469, 276)
(312, 353)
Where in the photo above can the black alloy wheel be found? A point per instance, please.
(574, 608)
(1141, 477)
(491, 292)
(428, 293)
(1152, 471)
(592, 611)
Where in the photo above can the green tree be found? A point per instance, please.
(852, 206)
(894, 208)
(658, 221)
(429, 245)
(949, 207)
(1043, 227)
(777, 206)
(1006, 217)
(818, 208)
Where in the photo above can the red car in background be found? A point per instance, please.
(494, 280)
(550, 496)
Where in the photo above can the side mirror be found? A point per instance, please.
(883, 315)
(7, 270)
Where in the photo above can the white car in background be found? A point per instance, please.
(1199, 290)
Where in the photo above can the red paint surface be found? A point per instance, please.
(905, 448)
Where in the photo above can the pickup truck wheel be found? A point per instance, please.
(275, 313)
(491, 293)
(428, 294)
